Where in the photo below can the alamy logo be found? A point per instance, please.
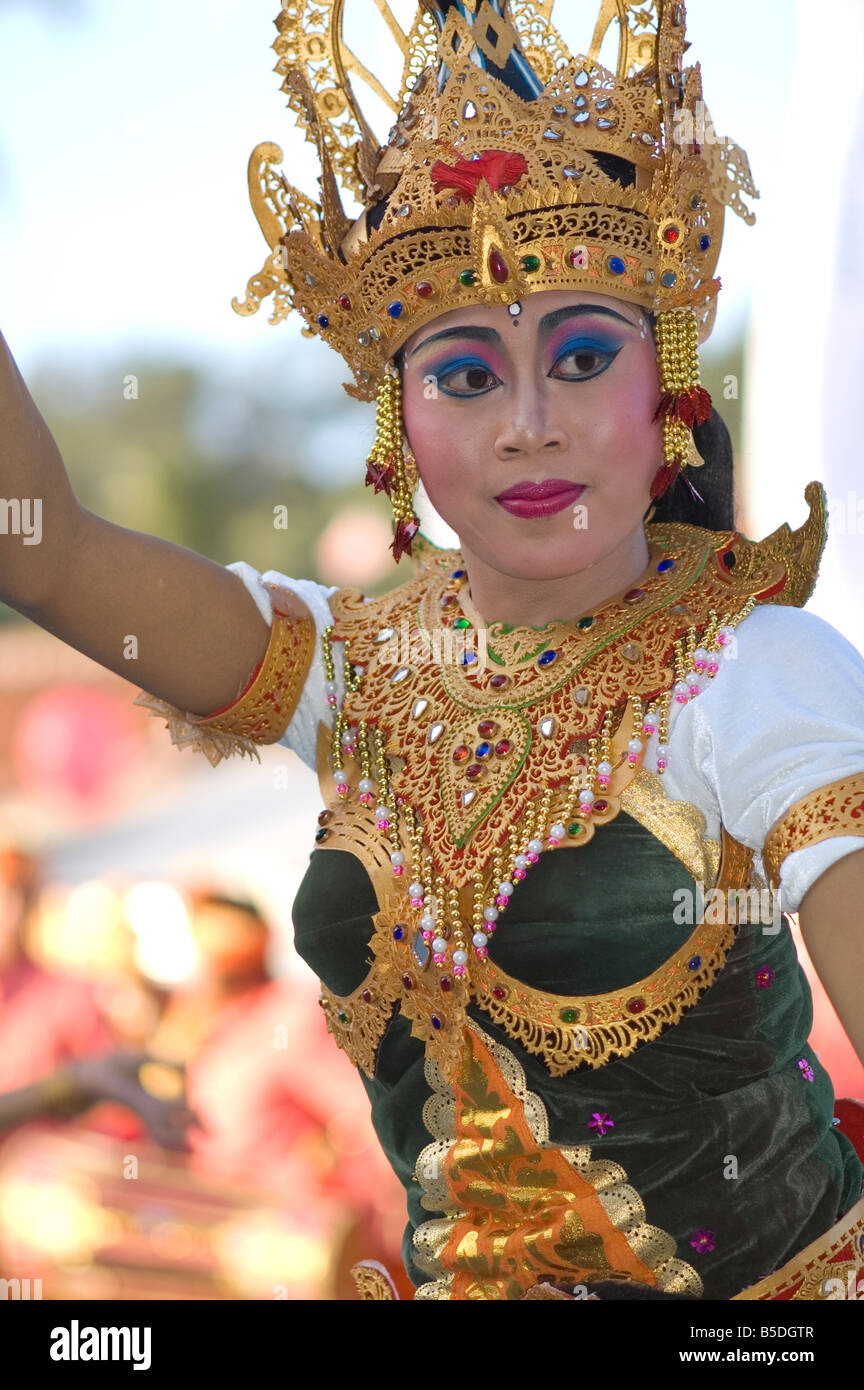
(412, 646)
(20, 1289)
(76, 1343)
(21, 516)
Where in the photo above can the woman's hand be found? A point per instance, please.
(117, 1077)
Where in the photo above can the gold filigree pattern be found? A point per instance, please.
(676, 824)
(567, 1031)
(835, 809)
(602, 1027)
(627, 650)
(373, 1283)
(574, 1031)
(516, 1206)
(262, 712)
(564, 223)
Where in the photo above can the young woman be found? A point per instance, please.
(565, 765)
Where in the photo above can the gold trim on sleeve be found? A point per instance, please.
(262, 712)
(835, 809)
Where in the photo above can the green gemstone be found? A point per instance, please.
(574, 828)
(343, 1017)
(569, 1015)
(461, 623)
(585, 622)
(530, 263)
(466, 277)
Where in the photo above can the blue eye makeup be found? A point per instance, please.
(599, 350)
(454, 367)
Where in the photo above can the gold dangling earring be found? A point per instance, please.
(684, 402)
(387, 467)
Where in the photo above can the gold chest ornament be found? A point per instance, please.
(461, 754)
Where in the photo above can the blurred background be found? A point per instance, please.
(145, 899)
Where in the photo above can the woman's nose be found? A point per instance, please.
(529, 425)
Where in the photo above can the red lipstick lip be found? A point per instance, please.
(536, 492)
(534, 507)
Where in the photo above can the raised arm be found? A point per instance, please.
(167, 619)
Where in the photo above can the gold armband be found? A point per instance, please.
(836, 809)
(265, 707)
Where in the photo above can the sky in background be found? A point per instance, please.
(125, 131)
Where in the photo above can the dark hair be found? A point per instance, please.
(715, 483)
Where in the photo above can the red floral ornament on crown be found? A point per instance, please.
(498, 167)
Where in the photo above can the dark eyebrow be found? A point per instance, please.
(488, 335)
(546, 324)
(550, 321)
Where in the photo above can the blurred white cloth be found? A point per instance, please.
(804, 362)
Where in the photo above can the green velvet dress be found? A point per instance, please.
(716, 1122)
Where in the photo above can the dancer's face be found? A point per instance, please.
(570, 393)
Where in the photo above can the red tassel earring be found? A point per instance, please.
(387, 468)
(684, 402)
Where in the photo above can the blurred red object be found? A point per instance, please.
(850, 1113)
(75, 744)
(828, 1037)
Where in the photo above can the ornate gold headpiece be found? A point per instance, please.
(502, 176)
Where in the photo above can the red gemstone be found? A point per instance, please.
(499, 993)
(497, 266)
(474, 770)
(635, 1006)
(344, 302)
(366, 996)
(634, 595)
(323, 817)
(502, 747)
(497, 682)
(448, 600)
(600, 805)
(446, 983)
(461, 753)
(671, 235)
(424, 289)
(486, 727)
(408, 981)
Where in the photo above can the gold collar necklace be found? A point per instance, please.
(476, 760)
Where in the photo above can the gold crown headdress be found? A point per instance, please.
(512, 168)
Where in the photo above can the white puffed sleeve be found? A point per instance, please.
(301, 736)
(783, 716)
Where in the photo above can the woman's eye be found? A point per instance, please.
(586, 361)
(471, 379)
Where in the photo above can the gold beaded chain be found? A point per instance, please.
(399, 478)
(677, 336)
(437, 900)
